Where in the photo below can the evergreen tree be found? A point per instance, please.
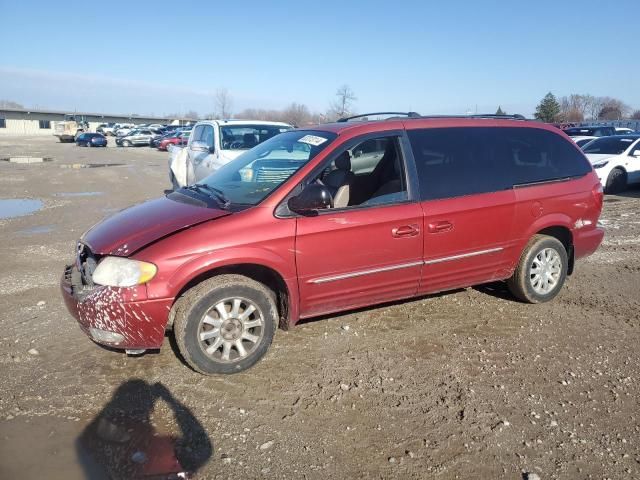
(500, 111)
(548, 109)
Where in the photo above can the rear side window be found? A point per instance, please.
(453, 162)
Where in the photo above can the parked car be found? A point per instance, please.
(135, 138)
(583, 140)
(91, 140)
(215, 143)
(106, 128)
(625, 131)
(616, 161)
(125, 130)
(178, 138)
(590, 131)
(288, 231)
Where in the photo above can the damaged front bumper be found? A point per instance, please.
(116, 316)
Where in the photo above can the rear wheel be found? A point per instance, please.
(616, 181)
(225, 324)
(541, 272)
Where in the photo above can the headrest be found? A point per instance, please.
(249, 139)
(343, 162)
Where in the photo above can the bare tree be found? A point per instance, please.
(223, 103)
(10, 104)
(613, 109)
(635, 115)
(342, 106)
(296, 114)
(594, 105)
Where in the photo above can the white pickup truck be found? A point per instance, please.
(214, 143)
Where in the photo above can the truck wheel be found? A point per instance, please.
(541, 271)
(225, 324)
(616, 181)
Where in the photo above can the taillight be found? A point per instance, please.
(598, 195)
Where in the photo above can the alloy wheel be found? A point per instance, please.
(231, 330)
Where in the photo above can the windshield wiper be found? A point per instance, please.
(215, 192)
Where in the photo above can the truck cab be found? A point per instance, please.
(214, 143)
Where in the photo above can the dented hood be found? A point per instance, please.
(137, 226)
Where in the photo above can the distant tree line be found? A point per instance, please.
(581, 107)
(297, 114)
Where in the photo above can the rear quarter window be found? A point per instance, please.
(453, 162)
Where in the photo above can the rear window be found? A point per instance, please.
(453, 162)
(244, 137)
(590, 131)
(609, 145)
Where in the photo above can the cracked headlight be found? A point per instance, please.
(123, 272)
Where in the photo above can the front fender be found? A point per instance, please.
(228, 257)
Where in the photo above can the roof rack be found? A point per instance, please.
(515, 116)
(406, 114)
(414, 115)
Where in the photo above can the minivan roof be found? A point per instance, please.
(429, 122)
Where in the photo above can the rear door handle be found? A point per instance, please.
(406, 231)
(438, 227)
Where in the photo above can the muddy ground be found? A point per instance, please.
(467, 384)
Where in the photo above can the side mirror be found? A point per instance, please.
(199, 147)
(314, 197)
(357, 153)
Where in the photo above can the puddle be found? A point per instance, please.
(18, 207)
(36, 230)
(77, 194)
(92, 165)
(27, 159)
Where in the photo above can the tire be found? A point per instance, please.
(126, 143)
(543, 253)
(616, 181)
(197, 314)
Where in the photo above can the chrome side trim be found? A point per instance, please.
(462, 255)
(344, 276)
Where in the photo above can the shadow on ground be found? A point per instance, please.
(129, 438)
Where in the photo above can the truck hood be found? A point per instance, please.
(135, 227)
(598, 157)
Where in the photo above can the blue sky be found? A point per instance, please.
(432, 57)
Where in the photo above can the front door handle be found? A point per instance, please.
(406, 231)
(439, 227)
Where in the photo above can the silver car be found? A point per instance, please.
(136, 137)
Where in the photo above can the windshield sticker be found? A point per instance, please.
(312, 140)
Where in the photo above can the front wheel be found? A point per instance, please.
(126, 143)
(616, 181)
(225, 324)
(541, 272)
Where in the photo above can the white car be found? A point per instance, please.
(581, 141)
(616, 161)
(214, 143)
(625, 131)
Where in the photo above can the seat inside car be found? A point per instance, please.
(340, 180)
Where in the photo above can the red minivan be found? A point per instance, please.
(339, 216)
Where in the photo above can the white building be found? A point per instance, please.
(23, 121)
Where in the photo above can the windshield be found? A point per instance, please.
(252, 176)
(609, 145)
(244, 137)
